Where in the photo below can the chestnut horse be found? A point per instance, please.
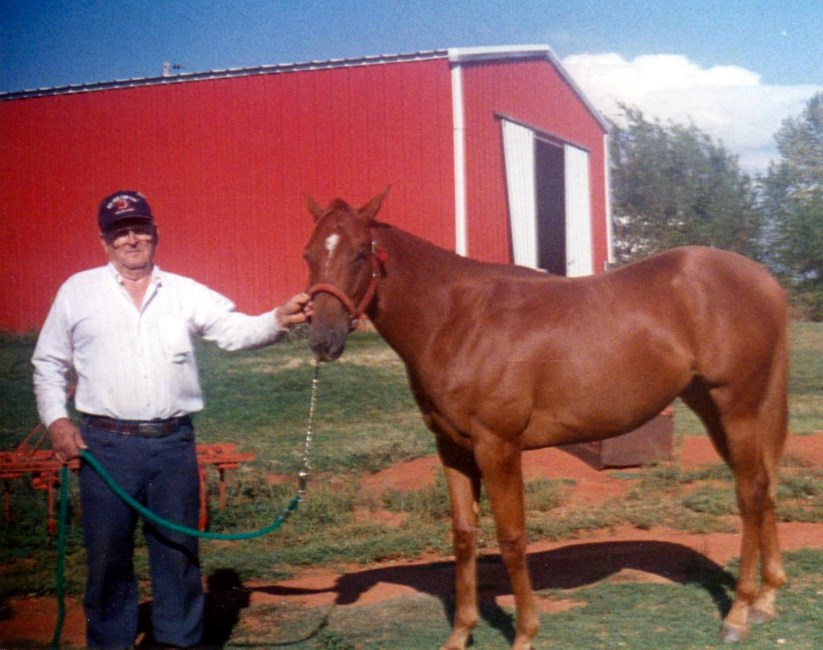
(502, 359)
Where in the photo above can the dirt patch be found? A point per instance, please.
(621, 555)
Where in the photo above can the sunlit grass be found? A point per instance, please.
(366, 420)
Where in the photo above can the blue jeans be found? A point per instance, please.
(162, 474)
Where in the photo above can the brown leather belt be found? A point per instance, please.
(139, 428)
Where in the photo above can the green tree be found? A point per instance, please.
(792, 200)
(672, 185)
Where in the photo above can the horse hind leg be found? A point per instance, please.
(773, 424)
(756, 483)
(752, 446)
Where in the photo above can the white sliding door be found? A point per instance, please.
(518, 147)
(578, 213)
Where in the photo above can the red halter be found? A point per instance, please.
(378, 257)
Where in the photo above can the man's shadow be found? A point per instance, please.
(565, 568)
(226, 597)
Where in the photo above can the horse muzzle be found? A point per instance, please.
(329, 326)
(335, 316)
(327, 343)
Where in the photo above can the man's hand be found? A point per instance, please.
(295, 310)
(65, 439)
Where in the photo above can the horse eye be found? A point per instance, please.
(361, 256)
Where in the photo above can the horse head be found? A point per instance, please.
(344, 267)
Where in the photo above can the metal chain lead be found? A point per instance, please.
(303, 476)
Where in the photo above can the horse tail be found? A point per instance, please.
(775, 407)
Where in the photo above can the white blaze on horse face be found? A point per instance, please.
(331, 243)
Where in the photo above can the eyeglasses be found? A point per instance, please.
(141, 233)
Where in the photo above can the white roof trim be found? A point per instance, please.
(465, 54)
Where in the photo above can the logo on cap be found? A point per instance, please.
(121, 203)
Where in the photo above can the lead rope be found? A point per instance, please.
(305, 471)
(302, 482)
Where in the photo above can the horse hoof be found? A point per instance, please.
(455, 643)
(760, 616)
(733, 633)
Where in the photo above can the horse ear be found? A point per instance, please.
(369, 211)
(316, 210)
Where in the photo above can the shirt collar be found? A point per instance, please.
(156, 274)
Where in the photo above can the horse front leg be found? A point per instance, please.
(463, 482)
(500, 463)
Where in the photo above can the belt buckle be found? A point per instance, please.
(149, 429)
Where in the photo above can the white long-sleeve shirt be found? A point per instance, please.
(135, 364)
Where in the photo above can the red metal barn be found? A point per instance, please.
(492, 152)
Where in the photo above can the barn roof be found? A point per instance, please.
(227, 73)
(454, 55)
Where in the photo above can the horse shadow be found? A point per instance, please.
(564, 569)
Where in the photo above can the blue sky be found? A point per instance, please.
(772, 46)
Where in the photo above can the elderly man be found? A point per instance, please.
(125, 330)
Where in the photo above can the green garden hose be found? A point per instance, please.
(61, 555)
(148, 514)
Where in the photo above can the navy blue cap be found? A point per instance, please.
(121, 205)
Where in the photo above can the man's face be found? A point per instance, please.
(130, 247)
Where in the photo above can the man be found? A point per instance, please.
(125, 330)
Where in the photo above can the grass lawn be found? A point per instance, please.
(366, 420)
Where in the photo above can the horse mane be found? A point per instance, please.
(449, 259)
(337, 204)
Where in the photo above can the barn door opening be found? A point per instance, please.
(547, 183)
(550, 199)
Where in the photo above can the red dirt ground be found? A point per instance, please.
(626, 554)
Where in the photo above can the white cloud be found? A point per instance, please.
(729, 103)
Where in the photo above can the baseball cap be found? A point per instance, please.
(121, 205)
